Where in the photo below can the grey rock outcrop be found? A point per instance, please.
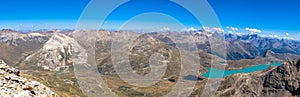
(12, 85)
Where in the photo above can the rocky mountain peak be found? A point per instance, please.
(145, 39)
(58, 40)
(55, 54)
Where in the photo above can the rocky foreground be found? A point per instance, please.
(283, 81)
(12, 85)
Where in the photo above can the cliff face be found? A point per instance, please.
(282, 81)
(13, 85)
(55, 54)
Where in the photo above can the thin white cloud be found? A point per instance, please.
(165, 29)
(192, 29)
(274, 36)
(213, 29)
(206, 28)
(290, 38)
(271, 36)
(218, 29)
(232, 28)
(287, 34)
(280, 37)
(239, 33)
(253, 30)
(263, 35)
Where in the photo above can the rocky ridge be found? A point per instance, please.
(55, 55)
(283, 81)
(13, 85)
(253, 45)
(11, 37)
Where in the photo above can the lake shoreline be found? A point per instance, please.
(218, 73)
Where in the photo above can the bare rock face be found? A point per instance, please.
(55, 55)
(12, 85)
(282, 81)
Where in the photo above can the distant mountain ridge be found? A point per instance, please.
(238, 46)
(250, 46)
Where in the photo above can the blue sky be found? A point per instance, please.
(268, 16)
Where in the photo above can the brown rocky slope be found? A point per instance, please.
(282, 81)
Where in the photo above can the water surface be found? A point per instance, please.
(217, 73)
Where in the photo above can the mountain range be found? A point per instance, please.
(46, 56)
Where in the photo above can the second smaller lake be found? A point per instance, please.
(217, 73)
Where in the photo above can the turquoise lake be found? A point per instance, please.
(217, 73)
